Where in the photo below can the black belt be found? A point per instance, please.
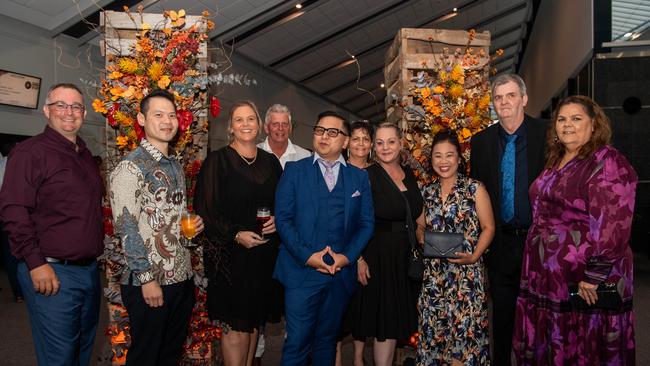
(390, 226)
(71, 262)
(515, 231)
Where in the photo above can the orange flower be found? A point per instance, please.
(115, 75)
(456, 91)
(425, 92)
(464, 134)
(127, 65)
(457, 73)
(484, 102)
(438, 89)
(164, 81)
(470, 109)
(122, 141)
(155, 71)
(99, 106)
(442, 75)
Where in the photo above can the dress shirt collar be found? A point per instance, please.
(154, 152)
(58, 138)
(290, 149)
(340, 159)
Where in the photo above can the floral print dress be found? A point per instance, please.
(453, 309)
(582, 217)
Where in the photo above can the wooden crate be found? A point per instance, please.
(415, 50)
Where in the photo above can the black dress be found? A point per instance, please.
(241, 291)
(386, 307)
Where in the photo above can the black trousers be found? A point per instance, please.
(504, 273)
(158, 334)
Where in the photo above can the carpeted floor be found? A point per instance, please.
(16, 347)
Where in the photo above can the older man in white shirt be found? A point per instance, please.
(277, 126)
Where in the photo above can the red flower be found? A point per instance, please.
(215, 106)
(138, 130)
(108, 227)
(185, 118)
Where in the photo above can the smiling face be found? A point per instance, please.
(508, 102)
(329, 148)
(65, 120)
(445, 159)
(360, 144)
(387, 145)
(278, 127)
(573, 126)
(160, 122)
(244, 124)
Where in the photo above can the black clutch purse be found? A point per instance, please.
(608, 298)
(442, 245)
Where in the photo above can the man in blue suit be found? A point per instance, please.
(324, 215)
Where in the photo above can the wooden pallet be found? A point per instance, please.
(415, 50)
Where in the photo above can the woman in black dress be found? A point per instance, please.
(233, 183)
(385, 306)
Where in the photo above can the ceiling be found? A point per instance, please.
(313, 46)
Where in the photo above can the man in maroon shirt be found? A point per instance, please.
(50, 204)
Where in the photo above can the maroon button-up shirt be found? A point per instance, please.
(50, 202)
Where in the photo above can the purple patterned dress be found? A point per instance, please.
(582, 217)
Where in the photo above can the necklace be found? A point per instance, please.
(245, 159)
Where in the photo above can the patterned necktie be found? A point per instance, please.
(508, 180)
(329, 172)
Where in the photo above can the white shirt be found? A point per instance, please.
(292, 153)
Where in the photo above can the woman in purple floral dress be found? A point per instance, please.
(582, 213)
(453, 323)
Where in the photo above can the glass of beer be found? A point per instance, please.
(263, 215)
(188, 227)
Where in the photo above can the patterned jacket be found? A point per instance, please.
(147, 192)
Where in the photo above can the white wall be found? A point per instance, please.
(30, 50)
(560, 43)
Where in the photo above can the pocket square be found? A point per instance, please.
(356, 194)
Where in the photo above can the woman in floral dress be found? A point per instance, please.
(583, 204)
(453, 322)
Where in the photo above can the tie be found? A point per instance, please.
(508, 180)
(329, 172)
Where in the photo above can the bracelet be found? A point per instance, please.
(237, 237)
(360, 259)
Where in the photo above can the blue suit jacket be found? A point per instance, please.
(296, 210)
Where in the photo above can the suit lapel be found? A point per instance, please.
(313, 184)
(346, 175)
(495, 174)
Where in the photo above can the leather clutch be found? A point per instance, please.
(442, 245)
(608, 298)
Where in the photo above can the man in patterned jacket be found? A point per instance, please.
(147, 197)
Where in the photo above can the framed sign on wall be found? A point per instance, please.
(19, 90)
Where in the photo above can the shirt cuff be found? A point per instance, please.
(35, 260)
(145, 277)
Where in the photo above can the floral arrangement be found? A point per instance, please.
(454, 93)
(164, 56)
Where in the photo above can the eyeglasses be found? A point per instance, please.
(331, 132)
(62, 107)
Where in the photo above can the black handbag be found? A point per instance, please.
(442, 245)
(608, 298)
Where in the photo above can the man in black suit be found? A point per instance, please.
(507, 157)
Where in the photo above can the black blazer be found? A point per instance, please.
(484, 158)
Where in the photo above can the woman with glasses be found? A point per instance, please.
(385, 306)
(233, 184)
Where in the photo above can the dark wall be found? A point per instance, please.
(615, 81)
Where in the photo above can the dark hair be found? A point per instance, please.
(451, 137)
(601, 136)
(346, 123)
(158, 93)
(365, 126)
(63, 86)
